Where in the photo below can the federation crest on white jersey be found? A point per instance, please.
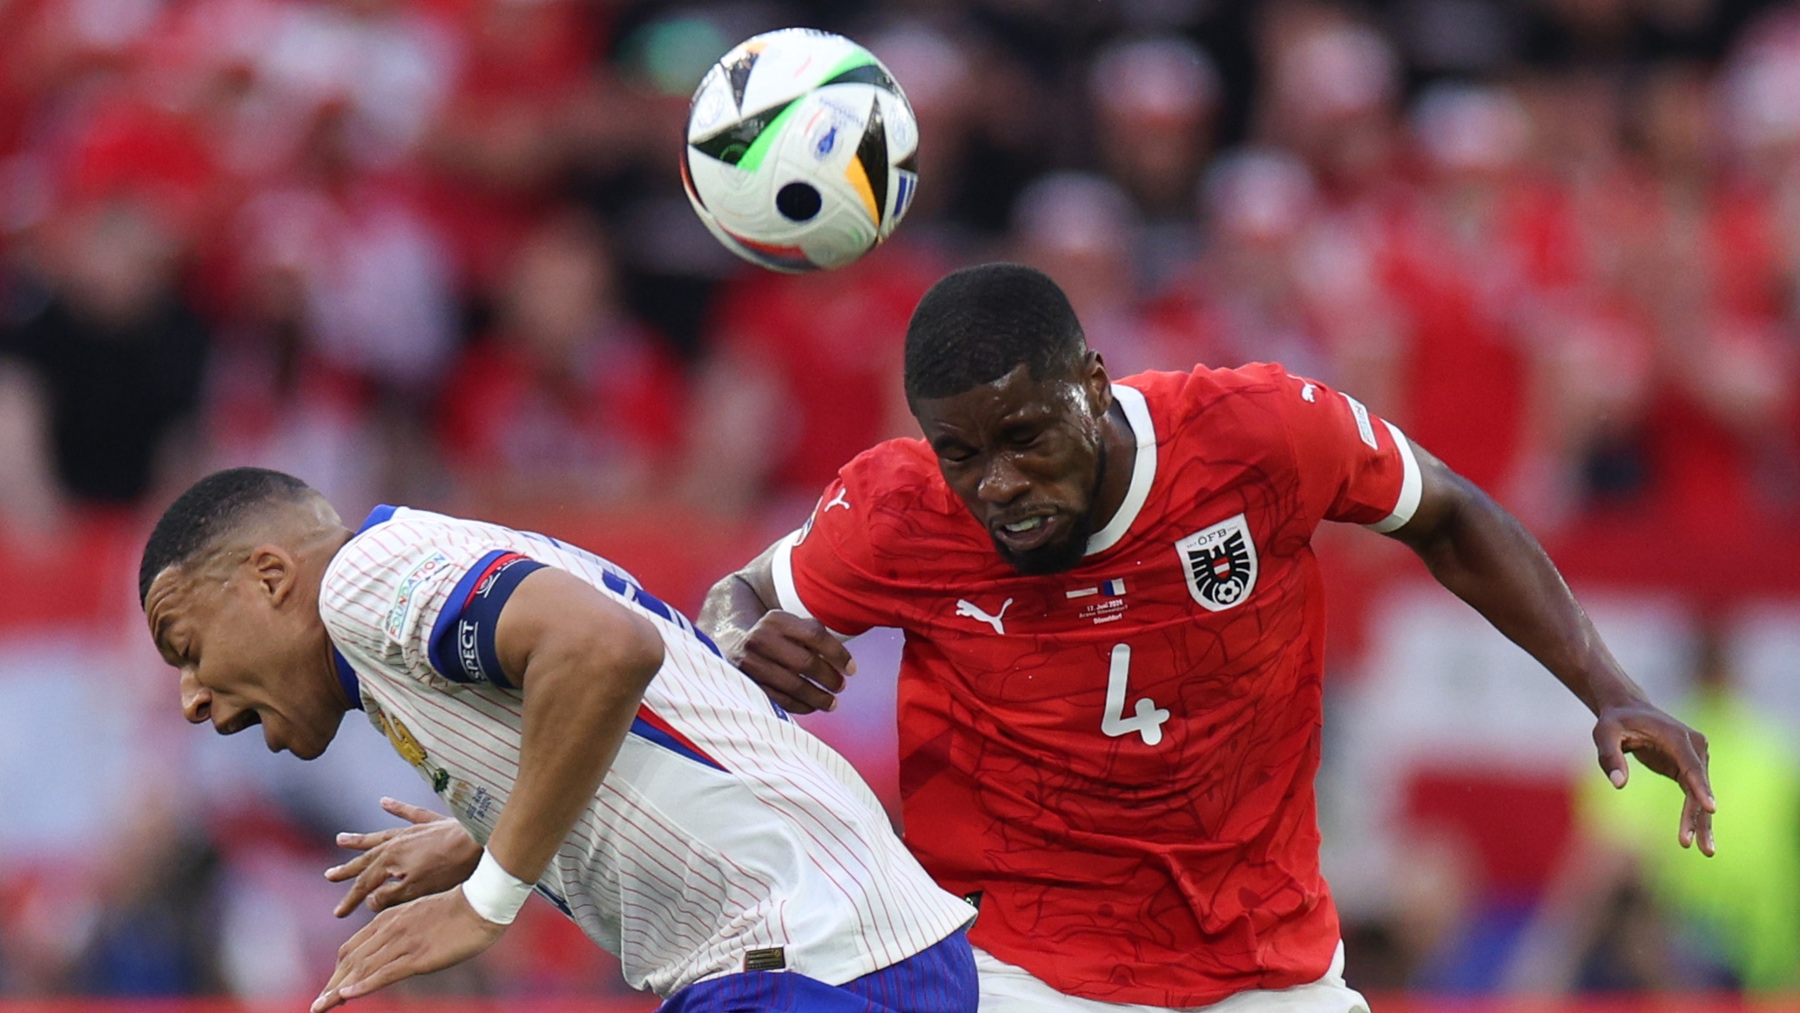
(801, 150)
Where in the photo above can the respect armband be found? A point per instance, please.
(494, 893)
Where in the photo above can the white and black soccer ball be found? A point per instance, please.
(800, 150)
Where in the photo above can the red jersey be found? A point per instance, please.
(1119, 759)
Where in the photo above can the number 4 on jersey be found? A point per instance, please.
(1149, 718)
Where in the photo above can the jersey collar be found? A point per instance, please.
(1143, 470)
(376, 516)
(347, 679)
(345, 673)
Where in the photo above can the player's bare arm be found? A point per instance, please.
(429, 854)
(1487, 558)
(583, 662)
(796, 661)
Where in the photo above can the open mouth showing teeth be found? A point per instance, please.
(241, 722)
(1028, 524)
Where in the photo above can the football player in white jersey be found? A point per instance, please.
(590, 742)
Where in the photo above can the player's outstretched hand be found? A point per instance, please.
(1668, 747)
(418, 937)
(796, 661)
(431, 854)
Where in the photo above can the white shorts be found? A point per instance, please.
(1009, 989)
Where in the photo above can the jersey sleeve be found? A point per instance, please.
(822, 572)
(1353, 466)
(397, 592)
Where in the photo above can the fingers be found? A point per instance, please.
(798, 662)
(829, 649)
(786, 687)
(409, 812)
(370, 872)
(416, 938)
(372, 878)
(369, 949)
(1696, 826)
(1696, 782)
(352, 897)
(339, 873)
(390, 969)
(376, 965)
(363, 842)
(406, 811)
(1672, 749)
(329, 997)
(1696, 776)
(1609, 738)
(794, 653)
(393, 893)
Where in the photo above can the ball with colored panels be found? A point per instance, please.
(800, 151)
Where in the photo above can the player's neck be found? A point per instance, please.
(331, 541)
(1119, 460)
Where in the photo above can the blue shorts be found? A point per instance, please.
(940, 979)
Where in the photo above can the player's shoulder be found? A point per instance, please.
(886, 502)
(1216, 402)
(1206, 385)
(393, 533)
(895, 474)
(401, 545)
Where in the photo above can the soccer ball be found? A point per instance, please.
(800, 151)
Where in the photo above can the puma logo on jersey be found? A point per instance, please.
(972, 611)
(842, 499)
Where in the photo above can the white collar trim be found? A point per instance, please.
(1143, 470)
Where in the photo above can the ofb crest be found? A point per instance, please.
(1220, 563)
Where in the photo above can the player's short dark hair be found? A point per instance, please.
(980, 323)
(208, 511)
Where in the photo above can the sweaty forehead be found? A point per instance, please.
(1013, 399)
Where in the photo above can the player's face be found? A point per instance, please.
(244, 658)
(1026, 456)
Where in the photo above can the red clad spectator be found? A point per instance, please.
(803, 375)
(371, 289)
(1462, 271)
(132, 147)
(1282, 281)
(569, 399)
(499, 144)
(1081, 230)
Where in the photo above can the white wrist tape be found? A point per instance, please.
(494, 893)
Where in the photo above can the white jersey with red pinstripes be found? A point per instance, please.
(724, 837)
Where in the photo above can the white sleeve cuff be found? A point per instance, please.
(782, 566)
(787, 595)
(1411, 485)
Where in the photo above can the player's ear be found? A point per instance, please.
(1097, 383)
(275, 571)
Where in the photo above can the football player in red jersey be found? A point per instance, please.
(1110, 688)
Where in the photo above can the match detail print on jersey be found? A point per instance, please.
(1220, 563)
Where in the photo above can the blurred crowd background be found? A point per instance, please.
(436, 252)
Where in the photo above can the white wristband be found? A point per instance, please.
(494, 893)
